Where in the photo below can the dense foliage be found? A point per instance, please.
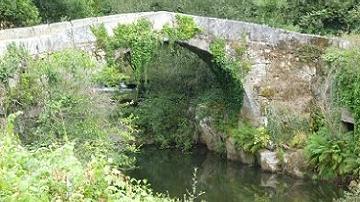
(167, 75)
(62, 140)
(56, 10)
(345, 64)
(250, 139)
(176, 78)
(319, 17)
(58, 103)
(55, 174)
(333, 152)
(15, 13)
(332, 155)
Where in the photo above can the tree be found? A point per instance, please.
(57, 10)
(15, 13)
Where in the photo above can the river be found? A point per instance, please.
(170, 171)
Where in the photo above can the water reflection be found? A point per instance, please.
(171, 171)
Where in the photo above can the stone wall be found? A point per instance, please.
(76, 33)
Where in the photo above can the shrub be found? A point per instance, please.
(58, 10)
(332, 155)
(54, 173)
(347, 78)
(55, 94)
(14, 58)
(15, 13)
(249, 138)
(110, 77)
(142, 41)
(185, 29)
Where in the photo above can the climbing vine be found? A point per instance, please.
(230, 72)
(347, 79)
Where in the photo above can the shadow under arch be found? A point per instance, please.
(233, 88)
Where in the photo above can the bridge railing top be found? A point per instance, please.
(55, 36)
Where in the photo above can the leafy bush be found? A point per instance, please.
(16, 13)
(55, 94)
(139, 38)
(58, 10)
(347, 78)
(14, 59)
(332, 155)
(185, 29)
(142, 41)
(332, 152)
(110, 77)
(249, 138)
(54, 173)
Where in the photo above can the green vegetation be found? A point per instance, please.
(286, 127)
(64, 141)
(59, 141)
(251, 139)
(230, 72)
(347, 85)
(333, 152)
(59, 10)
(185, 29)
(55, 173)
(177, 78)
(167, 75)
(318, 17)
(142, 41)
(55, 96)
(15, 13)
(332, 155)
(110, 76)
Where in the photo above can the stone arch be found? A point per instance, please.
(269, 49)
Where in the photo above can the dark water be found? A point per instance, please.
(170, 171)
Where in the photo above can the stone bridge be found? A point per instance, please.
(280, 76)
